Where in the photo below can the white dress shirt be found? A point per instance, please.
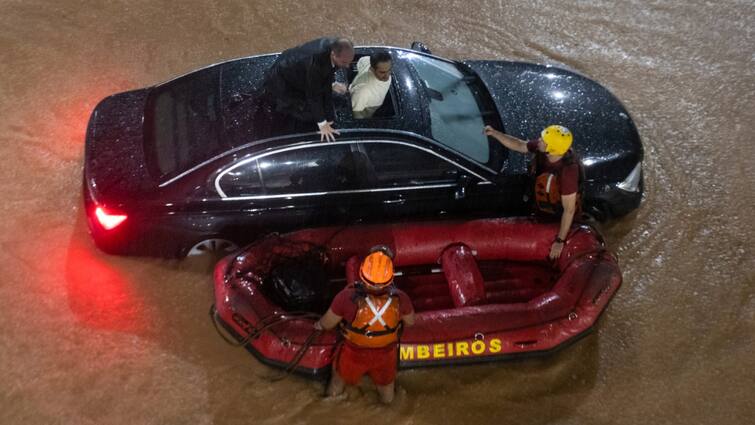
(367, 92)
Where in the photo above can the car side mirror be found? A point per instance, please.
(420, 47)
(463, 181)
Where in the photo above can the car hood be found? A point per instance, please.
(530, 97)
(114, 164)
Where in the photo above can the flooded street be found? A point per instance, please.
(89, 338)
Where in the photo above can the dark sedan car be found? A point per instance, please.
(190, 165)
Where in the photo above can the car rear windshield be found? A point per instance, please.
(182, 123)
(456, 119)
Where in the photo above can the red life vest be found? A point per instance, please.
(376, 323)
(547, 184)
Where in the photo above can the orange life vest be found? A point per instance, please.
(376, 323)
(547, 193)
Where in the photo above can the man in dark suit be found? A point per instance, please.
(300, 83)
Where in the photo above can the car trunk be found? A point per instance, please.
(115, 169)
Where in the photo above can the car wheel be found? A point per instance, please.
(212, 246)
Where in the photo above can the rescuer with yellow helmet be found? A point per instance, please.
(557, 176)
(370, 313)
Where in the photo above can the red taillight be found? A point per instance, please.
(108, 221)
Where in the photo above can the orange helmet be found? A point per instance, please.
(376, 271)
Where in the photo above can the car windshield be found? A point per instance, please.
(455, 116)
(182, 123)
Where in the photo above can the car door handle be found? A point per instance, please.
(397, 201)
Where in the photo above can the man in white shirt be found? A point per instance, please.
(371, 84)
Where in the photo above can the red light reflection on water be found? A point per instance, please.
(100, 295)
(101, 291)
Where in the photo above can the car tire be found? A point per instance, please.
(212, 246)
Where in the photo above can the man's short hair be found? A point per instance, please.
(379, 57)
(342, 45)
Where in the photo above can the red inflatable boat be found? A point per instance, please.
(483, 290)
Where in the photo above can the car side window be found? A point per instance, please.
(401, 165)
(243, 180)
(314, 168)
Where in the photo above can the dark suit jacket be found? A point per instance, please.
(300, 79)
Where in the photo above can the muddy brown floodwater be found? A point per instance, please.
(88, 338)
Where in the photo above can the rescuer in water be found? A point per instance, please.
(370, 314)
(557, 175)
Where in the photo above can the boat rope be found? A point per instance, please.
(213, 317)
(264, 324)
(291, 366)
(279, 318)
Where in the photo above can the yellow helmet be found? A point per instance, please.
(557, 139)
(376, 271)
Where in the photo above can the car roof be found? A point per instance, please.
(411, 121)
(222, 85)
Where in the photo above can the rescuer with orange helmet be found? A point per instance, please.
(557, 176)
(369, 313)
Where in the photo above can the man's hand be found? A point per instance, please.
(510, 142)
(327, 132)
(556, 249)
(340, 88)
